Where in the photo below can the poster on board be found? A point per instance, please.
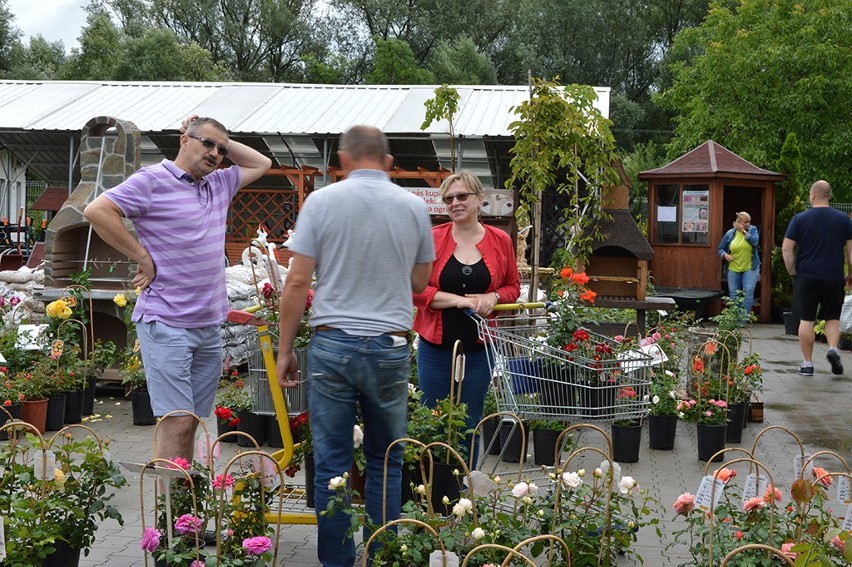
(696, 211)
(497, 202)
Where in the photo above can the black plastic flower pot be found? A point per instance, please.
(544, 446)
(625, 442)
(55, 413)
(711, 440)
(141, 406)
(510, 441)
(661, 432)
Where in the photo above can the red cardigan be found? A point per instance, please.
(497, 251)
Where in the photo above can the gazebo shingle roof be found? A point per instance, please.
(710, 160)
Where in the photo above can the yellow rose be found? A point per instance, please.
(59, 477)
(119, 299)
(58, 309)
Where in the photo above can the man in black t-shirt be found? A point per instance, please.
(813, 255)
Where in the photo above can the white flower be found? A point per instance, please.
(581, 473)
(598, 473)
(421, 489)
(645, 397)
(477, 534)
(673, 394)
(527, 500)
(403, 548)
(445, 500)
(680, 414)
(458, 510)
(336, 482)
(520, 490)
(626, 484)
(670, 374)
(655, 399)
(466, 504)
(357, 436)
(533, 489)
(572, 480)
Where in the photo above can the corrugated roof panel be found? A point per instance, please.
(151, 106)
(232, 105)
(28, 103)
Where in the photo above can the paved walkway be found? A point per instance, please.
(816, 409)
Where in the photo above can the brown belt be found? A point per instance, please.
(321, 328)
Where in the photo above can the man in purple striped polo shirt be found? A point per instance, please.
(179, 210)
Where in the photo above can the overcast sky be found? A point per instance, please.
(54, 19)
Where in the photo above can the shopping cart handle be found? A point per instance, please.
(512, 307)
(244, 318)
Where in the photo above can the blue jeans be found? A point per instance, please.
(745, 282)
(347, 370)
(434, 367)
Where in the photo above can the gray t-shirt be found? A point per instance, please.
(365, 234)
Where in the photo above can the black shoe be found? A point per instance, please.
(834, 358)
(806, 370)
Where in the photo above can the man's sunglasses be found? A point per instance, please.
(210, 144)
(460, 197)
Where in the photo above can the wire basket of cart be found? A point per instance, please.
(599, 379)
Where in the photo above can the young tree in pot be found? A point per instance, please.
(662, 413)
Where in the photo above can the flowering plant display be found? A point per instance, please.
(803, 527)
(707, 411)
(300, 428)
(233, 396)
(671, 337)
(571, 298)
(10, 394)
(625, 400)
(445, 423)
(67, 502)
(664, 394)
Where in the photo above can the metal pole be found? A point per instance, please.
(70, 163)
(94, 195)
(532, 295)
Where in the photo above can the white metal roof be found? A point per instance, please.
(258, 108)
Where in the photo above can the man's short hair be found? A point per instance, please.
(821, 189)
(364, 142)
(198, 123)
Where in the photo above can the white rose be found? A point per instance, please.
(533, 489)
(571, 480)
(357, 436)
(458, 510)
(336, 482)
(520, 490)
(527, 500)
(445, 500)
(477, 534)
(656, 399)
(466, 503)
(626, 484)
(421, 489)
(581, 473)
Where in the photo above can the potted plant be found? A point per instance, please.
(303, 454)
(545, 432)
(52, 516)
(662, 412)
(102, 355)
(711, 418)
(233, 404)
(34, 387)
(136, 387)
(626, 431)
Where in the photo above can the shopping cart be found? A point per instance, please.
(294, 510)
(537, 381)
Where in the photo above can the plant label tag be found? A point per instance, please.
(202, 450)
(481, 484)
(705, 498)
(798, 462)
(616, 471)
(43, 465)
(2, 541)
(439, 558)
(107, 456)
(847, 519)
(754, 486)
(843, 495)
(268, 471)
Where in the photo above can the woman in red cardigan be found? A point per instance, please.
(476, 269)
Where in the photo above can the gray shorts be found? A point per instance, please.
(182, 366)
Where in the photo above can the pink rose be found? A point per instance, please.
(188, 524)
(684, 504)
(181, 463)
(150, 539)
(755, 503)
(257, 545)
(785, 548)
(220, 483)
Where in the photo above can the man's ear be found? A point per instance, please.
(388, 162)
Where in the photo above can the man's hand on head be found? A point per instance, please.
(186, 122)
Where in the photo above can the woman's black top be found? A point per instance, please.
(461, 279)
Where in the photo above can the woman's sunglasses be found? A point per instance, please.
(210, 144)
(461, 197)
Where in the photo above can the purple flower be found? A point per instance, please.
(257, 545)
(150, 539)
(188, 524)
(197, 563)
(2, 301)
(14, 300)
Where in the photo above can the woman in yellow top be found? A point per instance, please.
(738, 249)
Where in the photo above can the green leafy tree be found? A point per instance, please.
(157, 55)
(100, 44)
(751, 74)
(789, 200)
(9, 36)
(443, 107)
(41, 60)
(564, 144)
(460, 63)
(394, 64)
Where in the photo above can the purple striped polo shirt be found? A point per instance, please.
(182, 225)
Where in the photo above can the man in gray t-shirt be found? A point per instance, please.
(370, 243)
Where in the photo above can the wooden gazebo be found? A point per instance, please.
(692, 201)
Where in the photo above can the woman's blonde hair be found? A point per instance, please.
(468, 179)
(742, 215)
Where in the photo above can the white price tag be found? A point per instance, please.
(43, 467)
(2, 541)
(268, 471)
(842, 483)
(705, 499)
(437, 557)
(798, 461)
(616, 470)
(847, 520)
(754, 486)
